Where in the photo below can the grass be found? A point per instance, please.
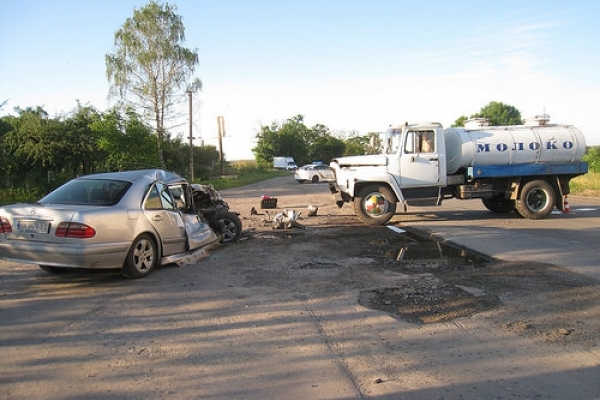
(586, 185)
(231, 181)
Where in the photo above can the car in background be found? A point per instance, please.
(314, 173)
(132, 220)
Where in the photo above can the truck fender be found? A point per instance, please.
(387, 181)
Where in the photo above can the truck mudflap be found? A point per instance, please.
(338, 196)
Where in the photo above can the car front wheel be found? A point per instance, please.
(228, 225)
(142, 257)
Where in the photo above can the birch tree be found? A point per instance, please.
(150, 69)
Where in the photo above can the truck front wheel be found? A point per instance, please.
(375, 205)
(536, 200)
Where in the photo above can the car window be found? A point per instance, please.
(159, 198)
(100, 192)
(153, 200)
(180, 195)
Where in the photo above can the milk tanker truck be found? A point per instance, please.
(524, 168)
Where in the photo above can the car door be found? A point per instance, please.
(198, 232)
(160, 210)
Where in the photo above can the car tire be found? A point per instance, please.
(142, 257)
(227, 225)
(315, 179)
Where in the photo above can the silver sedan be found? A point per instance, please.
(133, 220)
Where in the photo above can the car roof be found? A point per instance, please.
(130, 176)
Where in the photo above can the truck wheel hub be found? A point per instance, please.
(375, 205)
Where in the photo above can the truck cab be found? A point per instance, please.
(416, 155)
(410, 170)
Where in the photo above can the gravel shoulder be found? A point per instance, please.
(324, 310)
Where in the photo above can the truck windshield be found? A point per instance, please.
(392, 141)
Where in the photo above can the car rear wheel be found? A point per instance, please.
(142, 257)
(315, 179)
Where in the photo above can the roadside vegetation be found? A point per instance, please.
(586, 185)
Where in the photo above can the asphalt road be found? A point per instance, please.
(569, 240)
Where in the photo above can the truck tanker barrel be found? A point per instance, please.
(534, 142)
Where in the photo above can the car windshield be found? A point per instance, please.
(100, 192)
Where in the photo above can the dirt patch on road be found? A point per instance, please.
(421, 280)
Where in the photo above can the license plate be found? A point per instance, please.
(33, 226)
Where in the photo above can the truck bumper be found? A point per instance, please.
(338, 196)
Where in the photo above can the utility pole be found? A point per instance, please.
(221, 125)
(189, 93)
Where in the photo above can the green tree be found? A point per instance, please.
(326, 148)
(150, 68)
(500, 114)
(24, 146)
(360, 145)
(497, 113)
(286, 140)
(125, 142)
(460, 121)
(592, 156)
(75, 144)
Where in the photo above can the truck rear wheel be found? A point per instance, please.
(536, 200)
(375, 205)
(498, 204)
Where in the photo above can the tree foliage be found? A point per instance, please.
(125, 141)
(592, 156)
(42, 152)
(294, 139)
(358, 145)
(282, 140)
(151, 69)
(38, 145)
(497, 113)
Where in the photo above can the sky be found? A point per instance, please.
(353, 66)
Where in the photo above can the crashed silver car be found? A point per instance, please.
(133, 220)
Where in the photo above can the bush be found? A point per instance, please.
(19, 195)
